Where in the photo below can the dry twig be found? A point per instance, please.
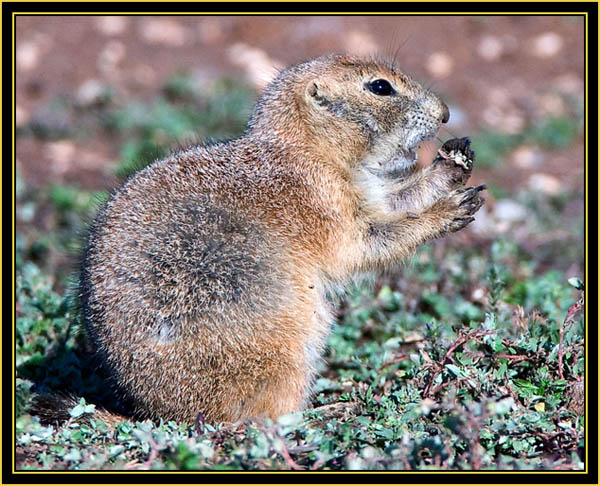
(462, 339)
(564, 327)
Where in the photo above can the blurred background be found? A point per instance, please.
(97, 97)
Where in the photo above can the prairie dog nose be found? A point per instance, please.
(445, 113)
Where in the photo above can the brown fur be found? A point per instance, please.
(205, 279)
(54, 408)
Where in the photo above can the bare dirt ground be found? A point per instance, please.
(497, 72)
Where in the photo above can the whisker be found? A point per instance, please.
(399, 48)
(430, 86)
(449, 131)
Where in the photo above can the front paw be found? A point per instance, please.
(460, 206)
(456, 159)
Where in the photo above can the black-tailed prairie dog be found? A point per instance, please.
(204, 282)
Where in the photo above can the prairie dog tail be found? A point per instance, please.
(55, 407)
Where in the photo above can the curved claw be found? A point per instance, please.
(471, 192)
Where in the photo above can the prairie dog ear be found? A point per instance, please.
(316, 93)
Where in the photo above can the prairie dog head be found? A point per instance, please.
(365, 112)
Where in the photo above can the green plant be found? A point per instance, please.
(465, 358)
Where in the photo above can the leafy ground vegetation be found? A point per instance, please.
(470, 356)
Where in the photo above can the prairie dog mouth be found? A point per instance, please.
(398, 154)
(408, 151)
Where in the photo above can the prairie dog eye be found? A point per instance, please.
(381, 87)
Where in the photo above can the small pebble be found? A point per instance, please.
(21, 116)
(111, 56)
(544, 183)
(89, 92)
(260, 68)
(28, 54)
(477, 294)
(360, 43)
(490, 48)
(547, 45)
(569, 83)
(509, 211)
(440, 65)
(164, 31)
(551, 105)
(527, 157)
(112, 24)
